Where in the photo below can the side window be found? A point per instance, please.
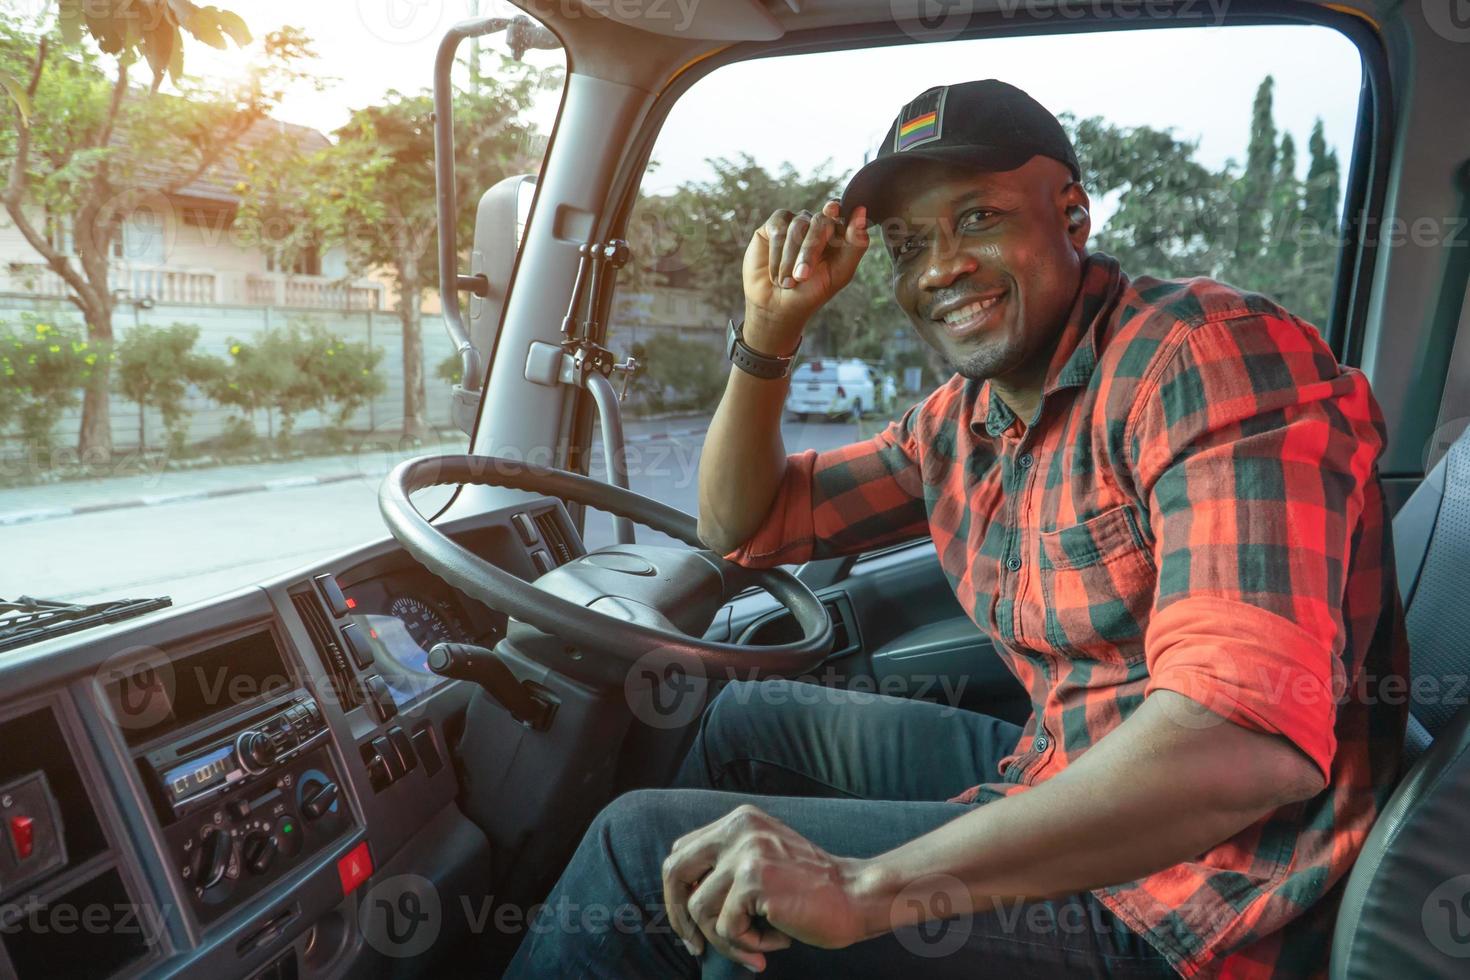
(1237, 176)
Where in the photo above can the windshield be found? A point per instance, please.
(205, 381)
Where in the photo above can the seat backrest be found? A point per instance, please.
(1406, 906)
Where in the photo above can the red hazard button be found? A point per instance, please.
(22, 836)
(355, 867)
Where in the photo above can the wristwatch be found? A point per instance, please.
(754, 362)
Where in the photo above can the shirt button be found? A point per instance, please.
(1026, 460)
(1040, 743)
(1013, 563)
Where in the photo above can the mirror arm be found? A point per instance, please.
(445, 198)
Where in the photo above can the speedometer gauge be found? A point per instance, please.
(425, 624)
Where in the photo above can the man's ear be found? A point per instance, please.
(1077, 213)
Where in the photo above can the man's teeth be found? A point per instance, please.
(966, 312)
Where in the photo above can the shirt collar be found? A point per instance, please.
(1075, 356)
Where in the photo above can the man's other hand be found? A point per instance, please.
(748, 884)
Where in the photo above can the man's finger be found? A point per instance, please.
(795, 235)
(688, 862)
(822, 230)
(855, 238)
(705, 906)
(775, 232)
(741, 925)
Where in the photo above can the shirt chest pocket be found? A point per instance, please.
(1097, 581)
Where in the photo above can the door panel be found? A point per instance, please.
(901, 632)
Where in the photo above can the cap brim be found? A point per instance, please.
(876, 184)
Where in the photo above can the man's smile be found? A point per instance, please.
(968, 315)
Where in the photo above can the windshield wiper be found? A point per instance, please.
(27, 620)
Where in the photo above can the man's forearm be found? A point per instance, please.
(1155, 793)
(744, 458)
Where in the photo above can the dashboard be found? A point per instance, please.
(210, 789)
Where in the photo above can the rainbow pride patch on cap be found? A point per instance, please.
(921, 121)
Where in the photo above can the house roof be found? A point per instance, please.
(217, 183)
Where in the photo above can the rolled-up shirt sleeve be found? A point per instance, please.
(1253, 452)
(844, 501)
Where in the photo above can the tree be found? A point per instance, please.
(1170, 216)
(127, 29)
(699, 234)
(1286, 211)
(1253, 190)
(155, 367)
(373, 191)
(98, 150)
(1320, 208)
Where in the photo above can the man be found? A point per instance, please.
(1160, 500)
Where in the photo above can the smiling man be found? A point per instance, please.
(1159, 499)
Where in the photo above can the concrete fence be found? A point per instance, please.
(219, 323)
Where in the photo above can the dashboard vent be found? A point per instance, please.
(328, 643)
(553, 536)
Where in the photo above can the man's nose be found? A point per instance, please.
(944, 263)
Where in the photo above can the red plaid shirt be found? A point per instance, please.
(1196, 508)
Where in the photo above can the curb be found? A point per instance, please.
(662, 436)
(283, 483)
(157, 500)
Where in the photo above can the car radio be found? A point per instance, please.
(244, 801)
(190, 775)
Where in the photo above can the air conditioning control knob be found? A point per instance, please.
(256, 750)
(211, 858)
(258, 850)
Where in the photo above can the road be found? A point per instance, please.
(195, 548)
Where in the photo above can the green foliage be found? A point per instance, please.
(293, 369)
(154, 368)
(97, 149)
(130, 28)
(697, 236)
(678, 374)
(150, 28)
(449, 369)
(372, 191)
(340, 376)
(43, 366)
(1263, 229)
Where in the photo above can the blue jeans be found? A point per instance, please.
(858, 774)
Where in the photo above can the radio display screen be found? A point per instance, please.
(200, 774)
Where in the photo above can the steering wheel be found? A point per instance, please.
(625, 601)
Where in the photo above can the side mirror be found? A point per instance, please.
(500, 224)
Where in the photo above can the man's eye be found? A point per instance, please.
(909, 247)
(977, 218)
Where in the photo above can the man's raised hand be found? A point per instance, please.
(794, 264)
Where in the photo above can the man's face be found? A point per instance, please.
(985, 264)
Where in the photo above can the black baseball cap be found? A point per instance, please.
(989, 125)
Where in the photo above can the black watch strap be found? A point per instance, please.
(753, 361)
